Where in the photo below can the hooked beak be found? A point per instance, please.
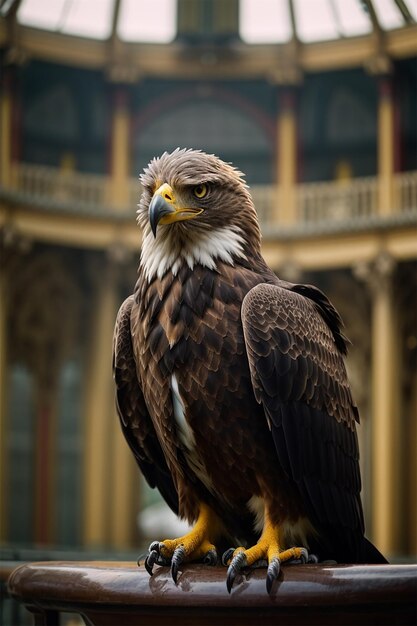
(163, 209)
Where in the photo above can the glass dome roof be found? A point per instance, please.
(260, 21)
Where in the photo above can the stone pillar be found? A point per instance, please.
(112, 480)
(100, 411)
(385, 496)
(386, 147)
(285, 211)
(120, 149)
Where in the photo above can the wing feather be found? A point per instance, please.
(135, 421)
(295, 352)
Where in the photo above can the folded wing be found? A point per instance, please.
(295, 351)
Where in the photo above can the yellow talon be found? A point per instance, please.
(196, 544)
(268, 548)
(199, 540)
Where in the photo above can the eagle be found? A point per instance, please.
(231, 386)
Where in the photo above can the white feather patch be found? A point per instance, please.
(257, 507)
(184, 431)
(296, 533)
(186, 436)
(292, 534)
(162, 254)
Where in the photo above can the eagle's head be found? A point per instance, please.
(194, 209)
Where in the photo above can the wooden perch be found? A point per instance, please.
(114, 593)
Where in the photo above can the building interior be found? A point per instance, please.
(316, 102)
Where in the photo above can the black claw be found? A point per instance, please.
(150, 561)
(304, 556)
(176, 561)
(272, 574)
(227, 556)
(312, 558)
(211, 557)
(154, 556)
(237, 564)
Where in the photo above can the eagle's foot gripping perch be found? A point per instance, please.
(194, 546)
(265, 552)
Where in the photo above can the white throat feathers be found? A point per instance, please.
(164, 253)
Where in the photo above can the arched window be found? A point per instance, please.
(212, 126)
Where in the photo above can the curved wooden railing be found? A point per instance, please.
(106, 594)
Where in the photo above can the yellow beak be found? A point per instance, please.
(163, 208)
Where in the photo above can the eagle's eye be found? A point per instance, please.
(200, 191)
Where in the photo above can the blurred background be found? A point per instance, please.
(315, 100)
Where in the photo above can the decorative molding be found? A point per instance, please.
(243, 60)
(377, 274)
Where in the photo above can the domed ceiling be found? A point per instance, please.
(260, 21)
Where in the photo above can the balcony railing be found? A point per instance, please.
(406, 191)
(337, 201)
(74, 188)
(316, 203)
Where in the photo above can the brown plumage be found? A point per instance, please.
(231, 386)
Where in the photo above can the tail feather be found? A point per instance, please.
(344, 546)
(370, 554)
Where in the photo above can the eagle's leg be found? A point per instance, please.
(268, 549)
(196, 545)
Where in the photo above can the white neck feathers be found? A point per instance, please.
(162, 254)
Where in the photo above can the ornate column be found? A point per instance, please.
(386, 147)
(99, 409)
(385, 402)
(111, 478)
(285, 211)
(120, 149)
